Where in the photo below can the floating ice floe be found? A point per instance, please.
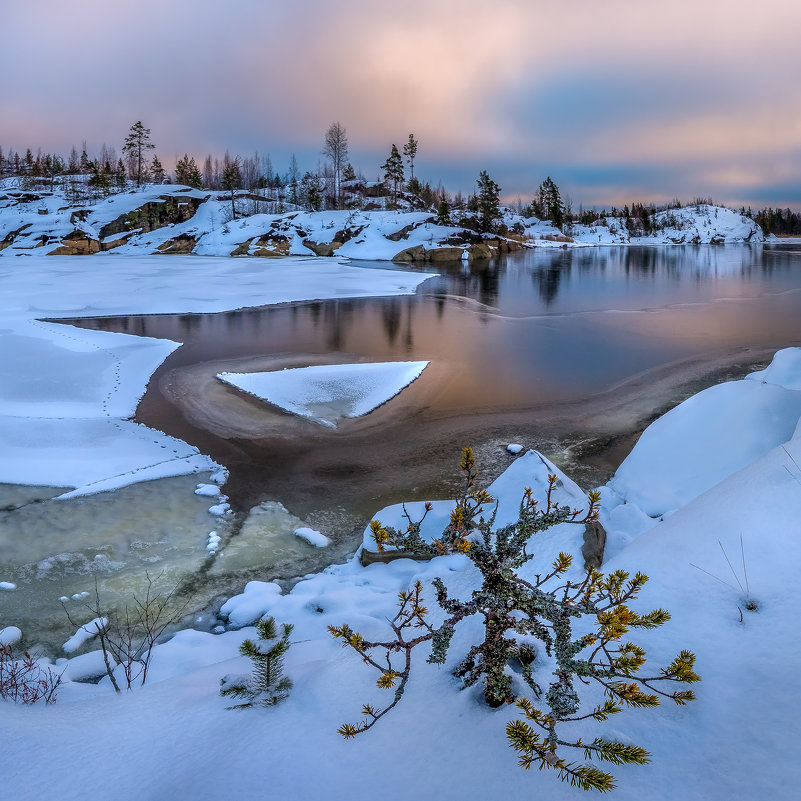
(312, 537)
(328, 393)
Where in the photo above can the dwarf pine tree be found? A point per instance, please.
(267, 685)
(527, 621)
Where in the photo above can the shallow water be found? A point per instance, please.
(572, 352)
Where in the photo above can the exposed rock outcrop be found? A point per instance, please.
(168, 210)
(183, 243)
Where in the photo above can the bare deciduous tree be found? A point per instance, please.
(127, 637)
(336, 150)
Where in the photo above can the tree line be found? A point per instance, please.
(333, 184)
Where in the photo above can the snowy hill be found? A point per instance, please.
(175, 219)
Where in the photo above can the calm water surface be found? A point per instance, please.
(567, 350)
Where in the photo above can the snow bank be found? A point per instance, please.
(328, 393)
(784, 370)
(702, 441)
(66, 393)
(10, 635)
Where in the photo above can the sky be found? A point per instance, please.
(616, 100)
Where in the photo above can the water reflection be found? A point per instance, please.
(540, 326)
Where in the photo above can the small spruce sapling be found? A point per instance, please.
(267, 685)
(516, 612)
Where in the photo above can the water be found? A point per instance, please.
(569, 351)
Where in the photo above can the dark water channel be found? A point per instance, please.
(570, 351)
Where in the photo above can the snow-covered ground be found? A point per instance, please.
(728, 542)
(701, 224)
(328, 393)
(67, 394)
(175, 219)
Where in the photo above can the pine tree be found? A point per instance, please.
(488, 204)
(157, 171)
(311, 191)
(187, 172)
(119, 175)
(232, 180)
(393, 172)
(551, 202)
(137, 143)
(410, 152)
(443, 212)
(267, 685)
(524, 621)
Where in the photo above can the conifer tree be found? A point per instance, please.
(157, 171)
(311, 191)
(393, 172)
(487, 203)
(551, 202)
(137, 143)
(410, 152)
(119, 175)
(531, 622)
(231, 181)
(267, 685)
(444, 212)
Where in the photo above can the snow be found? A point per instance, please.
(85, 666)
(7, 585)
(207, 490)
(704, 440)
(730, 743)
(783, 371)
(376, 234)
(247, 608)
(85, 633)
(328, 393)
(10, 635)
(514, 448)
(312, 537)
(66, 394)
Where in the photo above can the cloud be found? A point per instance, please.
(610, 96)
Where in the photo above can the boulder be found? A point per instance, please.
(594, 544)
(77, 243)
(417, 253)
(479, 252)
(444, 254)
(322, 248)
(183, 243)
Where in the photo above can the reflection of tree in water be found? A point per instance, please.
(391, 318)
(548, 284)
(479, 280)
(337, 319)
